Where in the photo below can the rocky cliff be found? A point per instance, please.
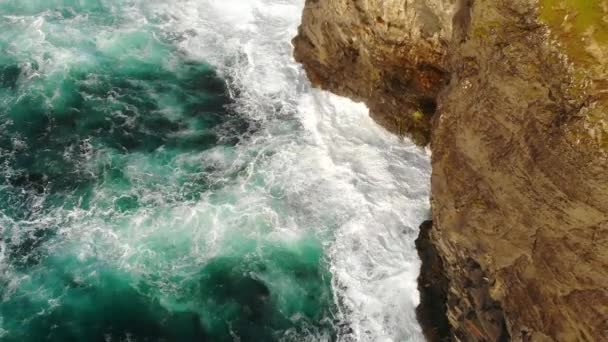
(390, 54)
(513, 97)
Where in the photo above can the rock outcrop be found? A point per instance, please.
(390, 54)
(513, 95)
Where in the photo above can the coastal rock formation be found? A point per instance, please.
(390, 54)
(514, 96)
(433, 286)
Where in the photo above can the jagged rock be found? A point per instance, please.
(433, 286)
(389, 54)
(519, 141)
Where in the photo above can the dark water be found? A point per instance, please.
(118, 158)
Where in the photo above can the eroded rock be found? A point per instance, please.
(433, 286)
(389, 54)
(518, 186)
(519, 140)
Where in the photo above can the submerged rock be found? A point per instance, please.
(519, 140)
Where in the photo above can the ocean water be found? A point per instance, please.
(168, 174)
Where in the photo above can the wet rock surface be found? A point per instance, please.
(433, 287)
(518, 133)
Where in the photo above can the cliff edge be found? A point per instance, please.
(513, 97)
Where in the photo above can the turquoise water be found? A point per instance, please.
(103, 126)
(167, 174)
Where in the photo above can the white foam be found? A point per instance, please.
(316, 165)
(343, 177)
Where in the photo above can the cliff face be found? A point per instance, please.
(390, 54)
(519, 140)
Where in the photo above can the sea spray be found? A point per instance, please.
(167, 174)
(105, 130)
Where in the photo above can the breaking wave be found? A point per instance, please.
(168, 174)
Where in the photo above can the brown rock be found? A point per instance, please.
(517, 188)
(389, 54)
(519, 140)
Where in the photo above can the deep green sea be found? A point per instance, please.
(167, 174)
